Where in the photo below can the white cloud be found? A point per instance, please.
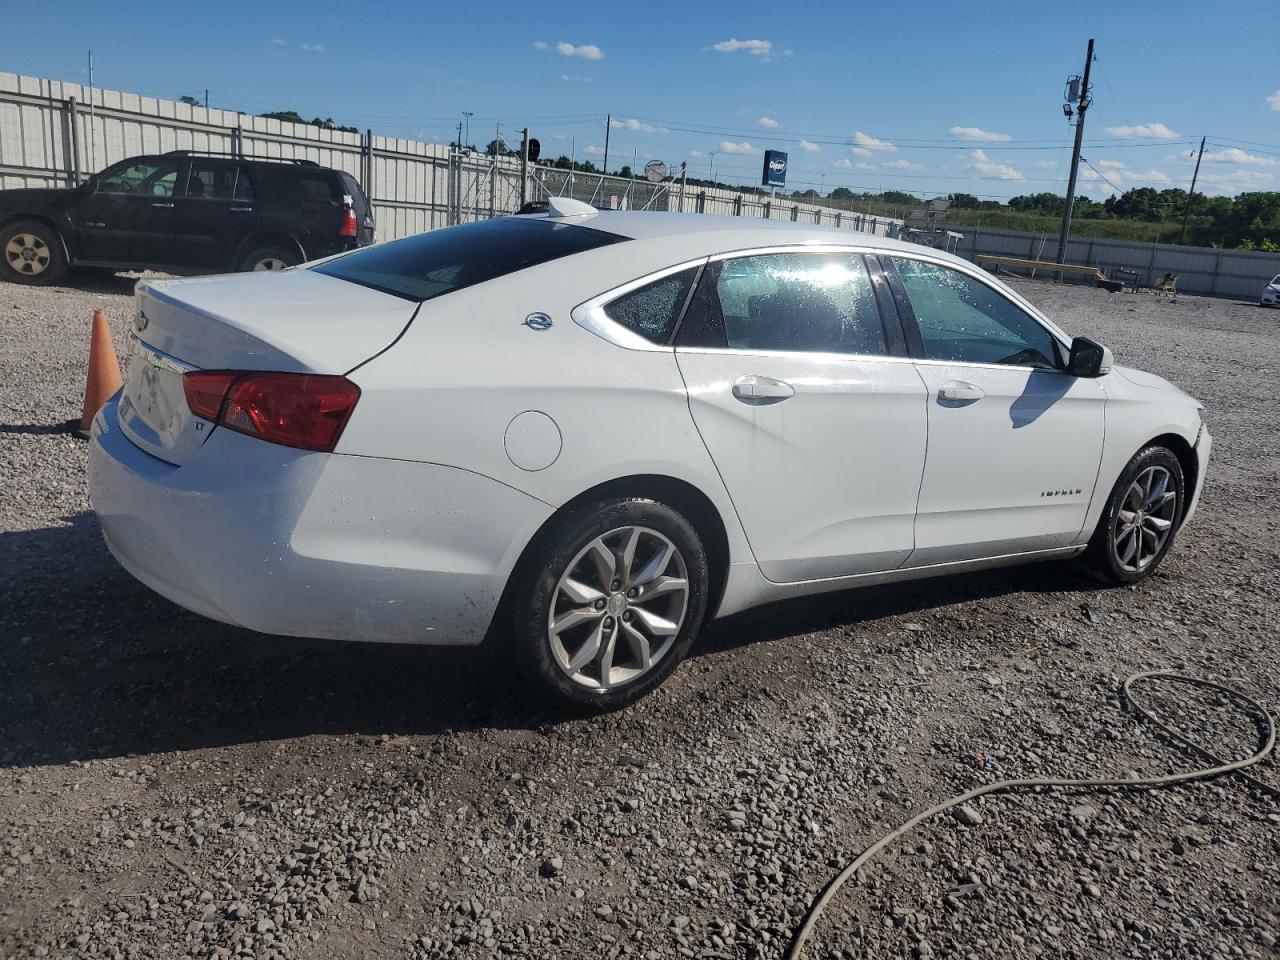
(1236, 155)
(539, 44)
(587, 51)
(592, 150)
(757, 48)
(900, 165)
(1222, 183)
(570, 78)
(633, 124)
(1274, 100)
(695, 154)
(809, 146)
(280, 43)
(866, 142)
(1047, 164)
(744, 148)
(768, 123)
(977, 133)
(1153, 131)
(314, 48)
(1110, 165)
(1150, 176)
(846, 164)
(981, 163)
(860, 152)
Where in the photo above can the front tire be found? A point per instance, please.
(1140, 520)
(609, 602)
(31, 253)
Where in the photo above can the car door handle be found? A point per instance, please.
(242, 209)
(163, 206)
(762, 390)
(960, 390)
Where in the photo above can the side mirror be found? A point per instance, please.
(1089, 359)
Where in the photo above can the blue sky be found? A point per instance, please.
(925, 97)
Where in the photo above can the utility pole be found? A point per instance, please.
(608, 122)
(459, 141)
(1075, 160)
(524, 167)
(206, 98)
(468, 114)
(1182, 234)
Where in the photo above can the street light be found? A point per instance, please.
(467, 137)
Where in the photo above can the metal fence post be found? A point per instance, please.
(1217, 265)
(368, 165)
(74, 118)
(737, 205)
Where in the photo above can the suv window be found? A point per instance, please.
(964, 320)
(211, 180)
(244, 186)
(652, 310)
(355, 193)
(152, 178)
(431, 264)
(819, 302)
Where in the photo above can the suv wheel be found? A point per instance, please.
(270, 258)
(610, 603)
(1141, 517)
(31, 252)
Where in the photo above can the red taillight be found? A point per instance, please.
(303, 410)
(205, 390)
(349, 226)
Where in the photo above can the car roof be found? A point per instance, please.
(728, 232)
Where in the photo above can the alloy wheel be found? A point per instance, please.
(270, 263)
(1145, 519)
(618, 607)
(27, 254)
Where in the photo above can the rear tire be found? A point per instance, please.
(270, 257)
(589, 637)
(31, 253)
(1140, 520)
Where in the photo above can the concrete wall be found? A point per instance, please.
(53, 134)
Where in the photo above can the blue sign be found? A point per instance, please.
(775, 169)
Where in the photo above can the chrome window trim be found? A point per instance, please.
(590, 314)
(156, 357)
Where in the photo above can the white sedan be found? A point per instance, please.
(1270, 294)
(582, 434)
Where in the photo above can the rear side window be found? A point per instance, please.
(355, 193)
(652, 310)
(211, 180)
(244, 186)
(299, 186)
(429, 265)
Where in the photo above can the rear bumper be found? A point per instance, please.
(288, 542)
(1204, 445)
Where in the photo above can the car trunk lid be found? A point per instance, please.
(293, 321)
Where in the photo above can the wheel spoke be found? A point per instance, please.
(605, 561)
(1126, 554)
(662, 587)
(579, 592)
(589, 650)
(572, 618)
(639, 644)
(1156, 490)
(658, 626)
(1158, 524)
(628, 555)
(610, 639)
(655, 565)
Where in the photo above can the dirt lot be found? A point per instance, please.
(170, 786)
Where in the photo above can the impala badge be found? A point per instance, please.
(538, 321)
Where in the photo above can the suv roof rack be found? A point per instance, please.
(241, 156)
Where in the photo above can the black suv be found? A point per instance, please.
(184, 212)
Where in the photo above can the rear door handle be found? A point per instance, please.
(242, 209)
(960, 390)
(163, 206)
(762, 390)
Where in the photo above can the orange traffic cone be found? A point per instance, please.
(104, 374)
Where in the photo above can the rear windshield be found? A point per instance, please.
(429, 265)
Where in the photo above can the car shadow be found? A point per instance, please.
(94, 665)
(1041, 391)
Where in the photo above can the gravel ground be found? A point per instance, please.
(170, 786)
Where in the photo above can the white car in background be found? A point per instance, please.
(1270, 293)
(583, 433)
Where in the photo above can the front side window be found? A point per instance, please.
(964, 320)
(652, 310)
(810, 302)
(151, 178)
(432, 264)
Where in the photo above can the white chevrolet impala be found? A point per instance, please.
(582, 434)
